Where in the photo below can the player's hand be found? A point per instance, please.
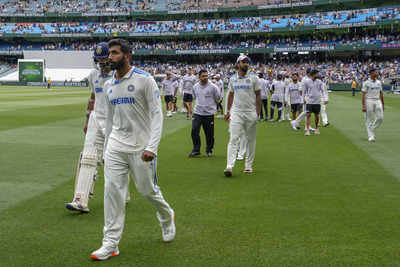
(148, 156)
(364, 109)
(85, 128)
(227, 117)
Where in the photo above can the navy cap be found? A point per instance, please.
(308, 70)
(101, 51)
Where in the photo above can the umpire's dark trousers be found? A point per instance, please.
(208, 126)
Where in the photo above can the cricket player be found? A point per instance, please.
(264, 85)
(296, 123)
(133, 132)
(278, 94)
(372, 103)
(220, 84)
(293, 96)
(313, 92)
(171, 89)
(92, 154)
(324, 102)
(286, 109)
(188, 81)
(243, 110)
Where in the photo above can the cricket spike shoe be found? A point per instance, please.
(168, 230)
(248, 170)
(76, 206)
(104, 253)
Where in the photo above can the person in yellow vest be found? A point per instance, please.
(353, 87)
(48, 83)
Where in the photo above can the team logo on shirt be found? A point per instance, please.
(131, 88)
(97, 81)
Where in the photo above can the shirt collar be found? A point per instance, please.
(126, 76)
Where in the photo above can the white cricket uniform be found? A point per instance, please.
(169, 86)
(92, 154)
(324, 98)
(279, 91)
(292, 93)
(220, 86)
(243, 117)
(286, 108)
(134, 124)
(188, 81)
(373, 103)
(303, 114)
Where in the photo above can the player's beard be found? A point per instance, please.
(244, 69)
(118, 65)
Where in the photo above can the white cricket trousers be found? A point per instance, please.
(324, 115)
(116, 167)
(374, 115)
(242, 123)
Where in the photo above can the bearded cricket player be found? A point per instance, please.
(134, 123)
(372, 103)
(243, 110)
(92, 154)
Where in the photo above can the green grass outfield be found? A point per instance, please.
(328, 200)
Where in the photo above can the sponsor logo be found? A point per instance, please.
(131, 88)
(98, 90)
(122, 100)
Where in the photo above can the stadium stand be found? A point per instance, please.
(258, 24)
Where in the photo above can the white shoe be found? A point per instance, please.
(104, 253)
(239, 157)
(316, 131)
(248, 170)
(294, 126)
(307, 133)
(77, 206)
(169, 114)
(371, 139)
(169, 230)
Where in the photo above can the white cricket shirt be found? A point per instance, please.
(372, 89)
(244, 89)
(134, 115)
(96, 85)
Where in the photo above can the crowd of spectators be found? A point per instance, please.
(123, 6)
(338, 71)
(321, 40)
(259, 24)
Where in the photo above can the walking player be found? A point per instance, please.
(313, 92)
(244, 104)
(133, 132)
(92, 154)
(278, 93)
(188, 82)
(207, 96)
(293, 96)
(372, 104)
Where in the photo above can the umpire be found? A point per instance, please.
(207, 96)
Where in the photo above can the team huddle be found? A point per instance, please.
(124, 122)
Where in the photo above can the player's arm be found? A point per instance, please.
(364, 93)
(90, 107)
(381, 97)
(286, 95)
(109, 118)
(257, 90)
(156, 124)
(217, 95)
(229, 102)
